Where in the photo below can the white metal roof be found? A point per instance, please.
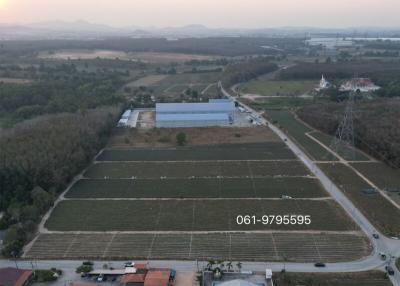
(194, 107)
(126, 113)
(192, 117)
(219, 100)
(237, 282)
(107, 271)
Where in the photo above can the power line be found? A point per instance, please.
(344, 136)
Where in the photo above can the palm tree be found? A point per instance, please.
(229, 265)
(221, 265)
(239, 266)
(210, 265)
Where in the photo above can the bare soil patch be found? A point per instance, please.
(84, 54)
(147, 80)
(169, 57)
(14, 80)
(146, 120)
(75, 54)
(166, 137)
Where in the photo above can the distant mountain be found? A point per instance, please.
(79, 25)
(85, 30)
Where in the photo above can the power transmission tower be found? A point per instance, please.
(343, 142)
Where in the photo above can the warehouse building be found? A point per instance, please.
(175, 115)
(123, 122)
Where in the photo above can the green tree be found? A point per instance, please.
(41, 199)
(181, 138)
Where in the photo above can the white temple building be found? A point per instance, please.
(323, 84)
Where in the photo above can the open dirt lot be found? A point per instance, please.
(147, 80)
(146, 120)
(135, 56)
(166, 137)
(14, 80)
(170, 57)
(84, 54)
(185, 278)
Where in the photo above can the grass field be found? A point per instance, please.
(344, 151)
(370, 278)
(191, 215)
(278, 87)
(190, 78)
(196, 169)
(278, 102)
(286, 121)
(147, 80)
(303, 247)
(177, 88)
(387, 179)
(256, 151)
(198, 188)
(375, 207)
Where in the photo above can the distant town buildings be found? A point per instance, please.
(361, 84)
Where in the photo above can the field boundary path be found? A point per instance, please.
(383, 244)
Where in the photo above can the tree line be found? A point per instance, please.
(246, 71)
(60, 88)
(38, 158)
(223, 46)
(376, 125)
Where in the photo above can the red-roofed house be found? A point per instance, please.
(15, 277)
(157, 278)
(133, 279)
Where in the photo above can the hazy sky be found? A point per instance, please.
(213, 13)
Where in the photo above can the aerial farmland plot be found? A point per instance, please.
(266, 187)
(278, 87)
(190, 203)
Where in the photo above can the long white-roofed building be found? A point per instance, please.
(174, 115)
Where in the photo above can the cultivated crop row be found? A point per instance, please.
(159, 170)
(296, 187)
(226, 246)
(253, 151)
(193, 215)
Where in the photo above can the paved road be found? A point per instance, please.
(384, 244)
